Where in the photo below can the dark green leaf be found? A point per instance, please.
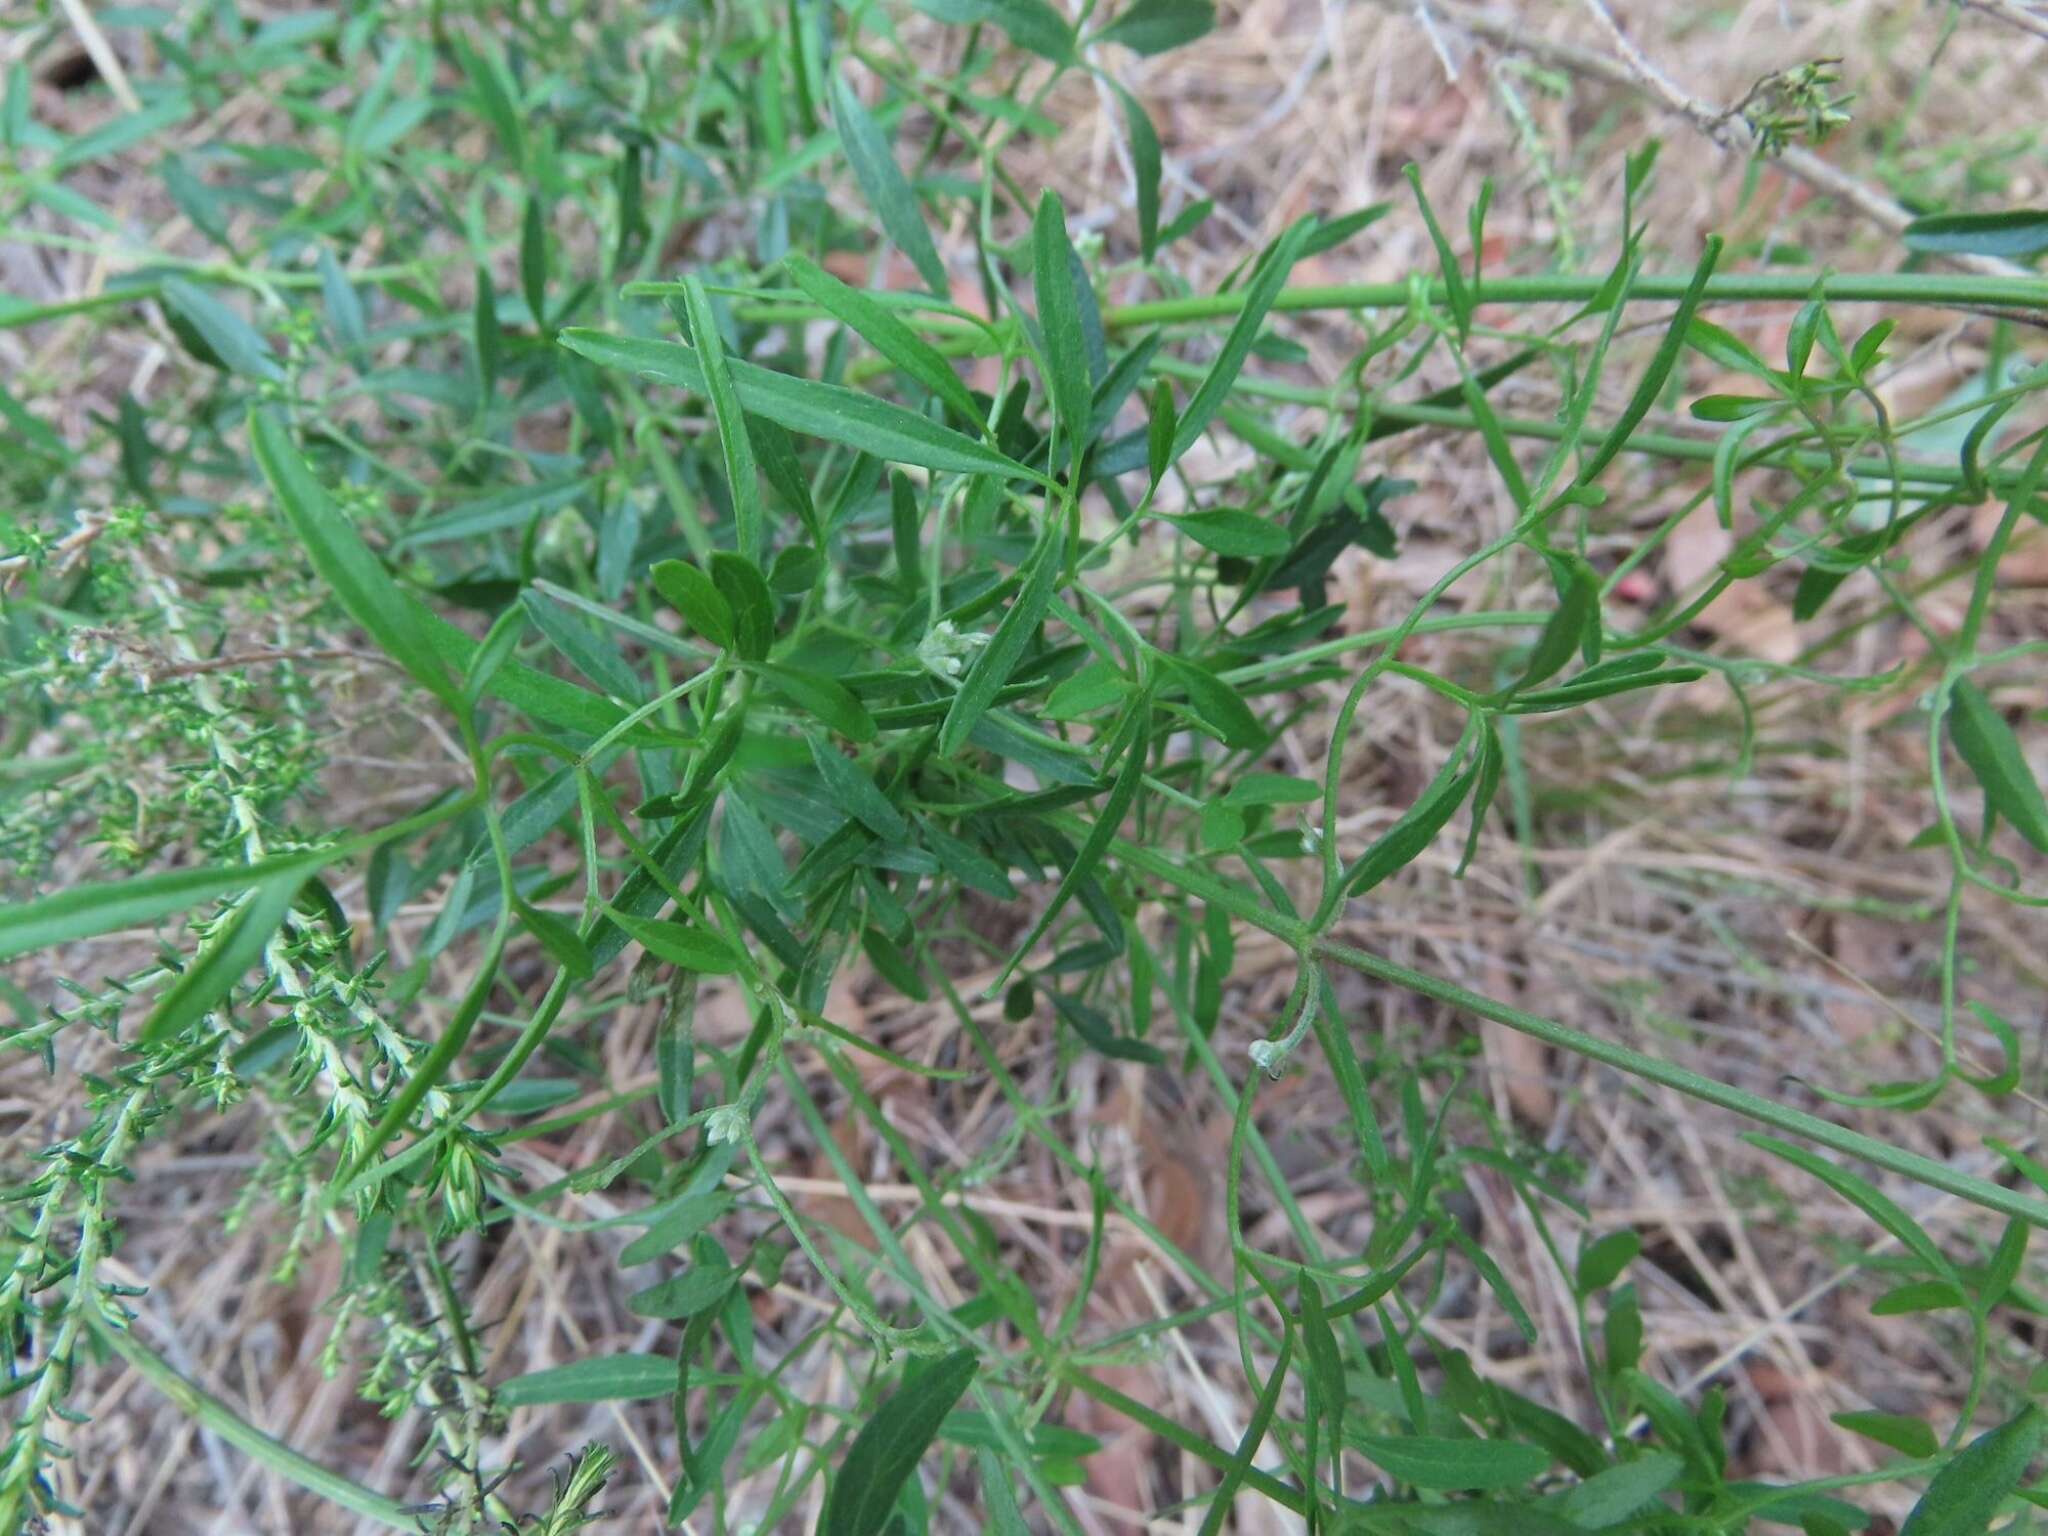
(239, 346)
(692, 594)
(1601, 1263)
(2015, 233)
(1154, 26)
(1989, 746)
(1146, 165)
(1909, 1437)
(682, 945)
(998, 659)
(1059, 319)
(885, 1454)
(1227, 531)
(850, 788)
(745, 590)
(1032, 25)
(1966, 1495)
(820, 696)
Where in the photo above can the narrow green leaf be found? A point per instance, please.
(885, 1454)
(1273, 789)
(998, 659)
(1456, 294)
(1217, 705)
(559, 938)
(1132, 748)
(682, 1297)
(1216, 385)
(1967, 1494)
(2013, 234)
(692, 594)
(823, 698)
(1402, 843)
(344, 562)
(238, 344)
(1651, 384)
(1919, 1296)
(1032, 25)
(882, 182)
(1453, 1466)
(806, 406)
(745, 590)
(1154, 26)
(735, 448)
(1909, 1437)
(1610, 1497)
(1601, 1263)
(854, 792)
(230, 950)
(1146, 166)
(1578, 607)
(533, 260)
(879, 328)
(1059, 320)
(1865, 1196)
(1228, 531)
(600, 1379)
(1162, 426)
(682, 945)
(1988, 745)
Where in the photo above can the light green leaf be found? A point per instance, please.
(998, 659)
(1453, 1466)
(880, 329)
(1264, 288)
(601, 1379)
(734, 447)
(225, 958)
(882, 182)
(1609, 1497)
(806, 406)
(344, 562)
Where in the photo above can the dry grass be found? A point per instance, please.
(1751, 927)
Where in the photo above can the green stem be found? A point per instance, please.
(1941, 290)
(1826, 1133)
(217, 1416)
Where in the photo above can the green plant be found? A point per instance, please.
(526, 331)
